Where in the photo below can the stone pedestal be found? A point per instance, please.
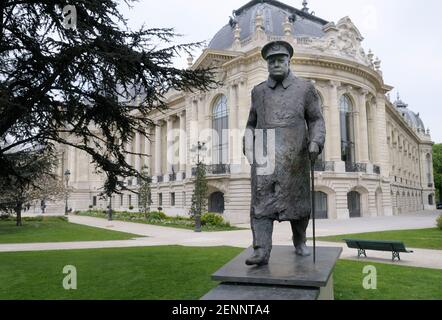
(286, 277)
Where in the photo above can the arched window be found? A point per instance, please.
(347, 130)
(216, 202)
(354, 204)
(220, 124)
(431, 200)
(321, 210)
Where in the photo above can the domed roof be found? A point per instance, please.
(274, 14)
(412, 118)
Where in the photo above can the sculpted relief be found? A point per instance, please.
(342, 39)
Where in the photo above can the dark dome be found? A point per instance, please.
(410, 116)
(274, 13)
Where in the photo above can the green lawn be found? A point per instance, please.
(175, 272)
(124, 273)
(55, 229)
(422, 238)
(393, 282)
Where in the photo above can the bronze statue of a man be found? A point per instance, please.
(287, 107)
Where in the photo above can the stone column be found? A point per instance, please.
(326, 114)
(381, 151)
(158, 150)
(363, 141)
(234, 138)
(148, 152)
(244, 104)
(182, 146)
(356, 132)
(137, 158)
(335, 128)
(169, 154)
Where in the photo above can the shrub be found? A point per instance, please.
(156, 215)
(63, 218)
(128, 215)
(439, 222)
(36, 219)
(131, 207)
(213, 219)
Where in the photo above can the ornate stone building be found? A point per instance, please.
(377, 159)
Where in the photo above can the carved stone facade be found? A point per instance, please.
(376, 161)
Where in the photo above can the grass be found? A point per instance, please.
(177, 273)
(421, 238)
(125, 273)
(171, 222)
(55, 229)
(393, 282)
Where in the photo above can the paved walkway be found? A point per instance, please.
(155, 236)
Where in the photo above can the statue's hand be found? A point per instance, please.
(314, 151)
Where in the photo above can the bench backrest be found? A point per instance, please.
(379, 245)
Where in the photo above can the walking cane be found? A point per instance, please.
(313, 210)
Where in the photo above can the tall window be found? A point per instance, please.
(321, 205)
(347, 130)
(428, 169)
(220, 124)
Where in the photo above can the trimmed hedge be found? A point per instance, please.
(439, 222)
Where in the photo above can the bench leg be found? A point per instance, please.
(361, 252)
(396, 255)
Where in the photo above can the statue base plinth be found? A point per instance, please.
(286, 277)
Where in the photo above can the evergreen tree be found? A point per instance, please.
(90, 87)
(437, 170)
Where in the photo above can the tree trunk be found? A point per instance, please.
(18, 210)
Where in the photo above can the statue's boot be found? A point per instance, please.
(259, 258)
(299, 228)
(302, 250)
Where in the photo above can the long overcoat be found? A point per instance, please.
(292, 109)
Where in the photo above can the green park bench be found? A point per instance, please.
(395, 247)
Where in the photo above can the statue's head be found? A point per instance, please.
(278, 55)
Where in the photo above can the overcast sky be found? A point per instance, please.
(405, 34)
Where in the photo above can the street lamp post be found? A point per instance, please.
(110, 208)
(200, 147)
(67, 173)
